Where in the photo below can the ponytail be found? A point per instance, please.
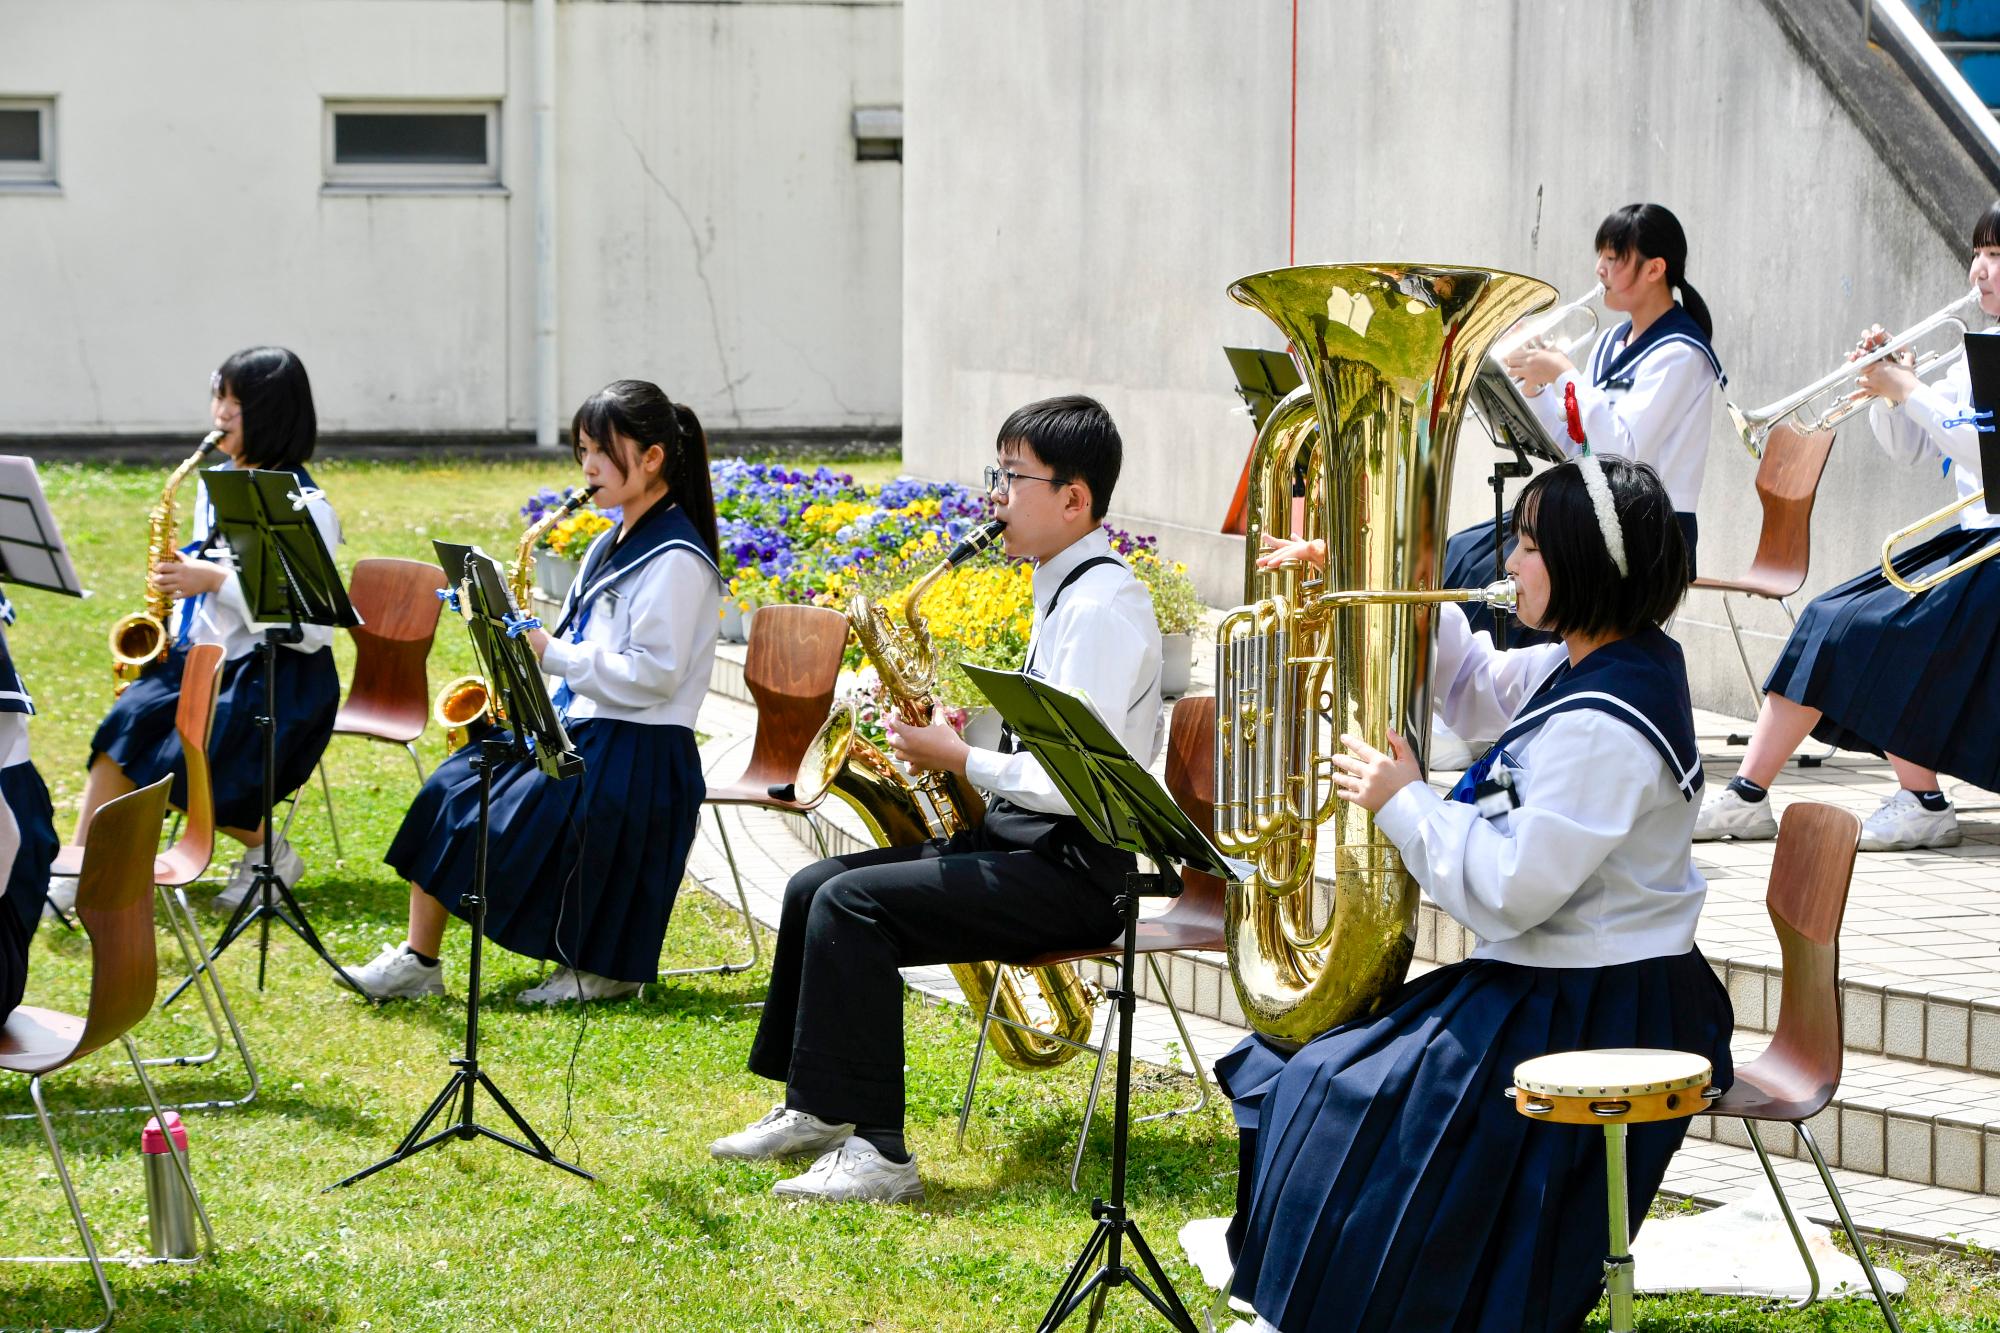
(1653, 232)
(687, 468)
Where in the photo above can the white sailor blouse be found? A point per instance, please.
(1578, 851)
(636, 639)
(223, 616)
(1649, 400)
(1915, 431)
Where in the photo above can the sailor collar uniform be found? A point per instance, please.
(1584, 860)
(1647, 399)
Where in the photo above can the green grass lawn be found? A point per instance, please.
(472, 1236)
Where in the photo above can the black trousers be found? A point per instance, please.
(13, 958)
(832, 1028)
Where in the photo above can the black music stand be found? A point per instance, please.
(1124, 806)
(31, 547)
(1262, 378)
(1499, 403)
(289, 580)
(534, 730)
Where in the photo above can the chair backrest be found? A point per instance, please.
(194, 719)
(791, 667)
(114, 901)
(398, 604)
(1787, 484)
(1807, 898)
(1191, 781)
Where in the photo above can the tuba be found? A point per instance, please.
(140, 639)
(466, 702)
(898, 811)
(1360, 457)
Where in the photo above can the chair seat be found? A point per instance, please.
(69, 861)
(1158, 936)
(35, 1041)
(1773, 584)
(175, 868)
(749, 791)
(1770, 1088)
(396, 726)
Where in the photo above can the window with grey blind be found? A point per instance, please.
(412, 144)
(27, 142)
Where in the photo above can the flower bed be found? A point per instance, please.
(789, 535)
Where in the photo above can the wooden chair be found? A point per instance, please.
(1797, 1074)
(1787, 485)
(1194, 923)
(115, 903)
(389, 699)
(791, 668)
(185, 862)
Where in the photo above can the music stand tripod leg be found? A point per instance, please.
(467, 1077)
(1114, 1226)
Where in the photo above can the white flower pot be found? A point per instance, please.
(735, 623)
(1176, 664)
(553, 574)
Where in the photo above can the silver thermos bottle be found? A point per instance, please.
(170, 1224)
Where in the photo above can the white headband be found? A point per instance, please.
(1599, 486)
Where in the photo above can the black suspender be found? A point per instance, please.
(1008, 745)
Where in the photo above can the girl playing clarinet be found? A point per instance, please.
(1870, 667)
(262, 402)
(1384, 1185)
(584, 872)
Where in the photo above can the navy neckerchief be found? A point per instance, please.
(1614, 370)
(664, 527)
(1641, 681)
(13, 694)
(190, 605)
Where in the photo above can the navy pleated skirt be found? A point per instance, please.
(1387, 1183)
(138, 733)
(1917, 677)
(1468, 563)
(582, 872)
(27, 796)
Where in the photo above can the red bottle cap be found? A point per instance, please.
(153, 1140)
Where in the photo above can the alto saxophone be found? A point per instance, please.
(899, 812)
(140, 639)
(467, 702)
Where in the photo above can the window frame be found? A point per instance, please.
(41, 173)
(378, 177)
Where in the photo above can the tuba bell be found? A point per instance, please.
(1387, 353)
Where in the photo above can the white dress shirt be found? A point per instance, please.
(1915, 431)
(646, 653)
(1662, 420)
(223, 616)
(1594, 867)
(1102, 645)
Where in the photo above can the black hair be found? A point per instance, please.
(1077, 440)
(1587, 594)
(1986, 231)
(1652, 232)
(642, 413)
(280, 427)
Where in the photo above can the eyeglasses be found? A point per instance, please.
(1000, 481)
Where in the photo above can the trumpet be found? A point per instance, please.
(1567, 329)
(1832, 398)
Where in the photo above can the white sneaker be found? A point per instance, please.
(855, 1172)
(61, 899)
(1727, 815)
(1902, 824)
(782, 1133)
(285, 861)
(566, 984)
(395, 974)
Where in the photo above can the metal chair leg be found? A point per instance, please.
(1743, 656)
(743, 904)
(1096, 1086)
(1187, 1044)
(332, 824)
(194, 965)
(978, 1059)
(416, 761)
(95, 1261)
(1785, 1206)
(1847, 1224)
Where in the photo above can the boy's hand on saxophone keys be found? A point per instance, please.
(182, 577)
(1368, 777)
(937, 748)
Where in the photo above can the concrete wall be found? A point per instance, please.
(1085, 181)
(715, 232)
